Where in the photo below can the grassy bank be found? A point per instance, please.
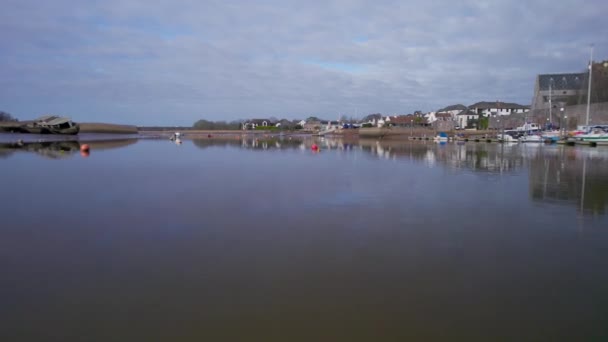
(105, 128)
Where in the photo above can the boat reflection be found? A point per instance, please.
(61, 149)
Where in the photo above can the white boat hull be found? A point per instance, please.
(594, 137)
(531, 138)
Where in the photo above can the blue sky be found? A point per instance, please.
(172, 62)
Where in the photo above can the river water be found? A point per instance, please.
(264, 240)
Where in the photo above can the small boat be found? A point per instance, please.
(593, 137)
(442, 136)
(551, 136)
(506, 138)
(531, 138)
(594, 134)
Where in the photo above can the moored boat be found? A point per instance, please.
(551, 136)
(531, 138)
(506, 138)
(594, 137)
(596, 134)
(442, 136)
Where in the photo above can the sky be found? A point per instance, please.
(172, 62)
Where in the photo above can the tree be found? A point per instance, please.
(218, 125)
(4, 116)
(371, 117)
(483, 122)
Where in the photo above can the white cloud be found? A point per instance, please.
(178, 61)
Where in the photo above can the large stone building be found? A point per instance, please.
(559, 90)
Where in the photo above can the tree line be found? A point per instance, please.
(4, 116)
(217, 125)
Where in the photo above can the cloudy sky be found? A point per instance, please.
(168, 62)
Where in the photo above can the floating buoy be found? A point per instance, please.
(208, 135)
(85, 148)
(314, 147)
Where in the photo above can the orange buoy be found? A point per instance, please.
(85, 148)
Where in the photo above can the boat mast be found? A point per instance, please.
(589, 86)
(550, 100)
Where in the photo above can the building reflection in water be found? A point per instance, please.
(559, 175)
(576, 176)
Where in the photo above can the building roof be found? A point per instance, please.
(562, 81)
(259, 121)
(443, 115)
(497, 104)
(453, 107)
(402, 119)
(467, 112)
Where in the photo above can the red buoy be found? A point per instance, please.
(314, 147)
(84, 148)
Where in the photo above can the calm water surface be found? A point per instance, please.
(245, 240)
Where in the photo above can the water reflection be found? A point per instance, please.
(564, 175)
(571, 176)
(557, 175)
(60, 149)
(248, 142)
(477, 157)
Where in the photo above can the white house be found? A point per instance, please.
(497, 108)
(252, 124)
(464, 117)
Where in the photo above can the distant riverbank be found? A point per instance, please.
(219, 133)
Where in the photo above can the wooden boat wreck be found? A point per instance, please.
(48, 124)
